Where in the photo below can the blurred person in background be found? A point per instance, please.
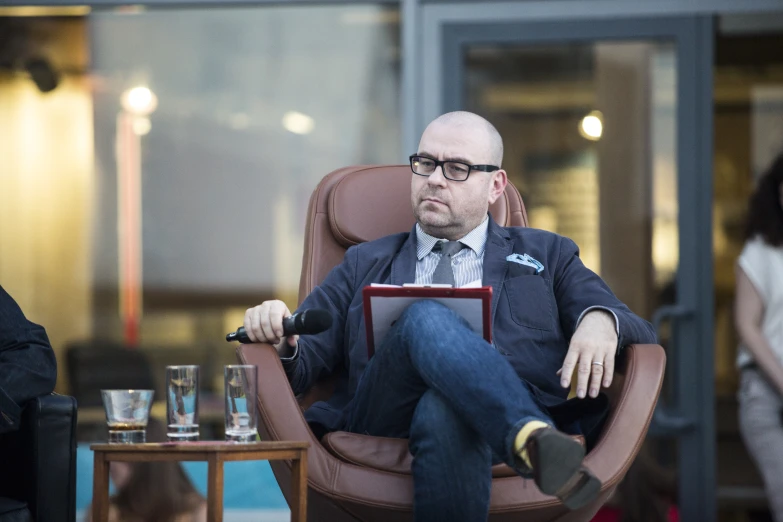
(759, 319)
(28, 368)
(153, 491)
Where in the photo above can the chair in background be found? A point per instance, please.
(356, 477)
(94, 365)
(38, 463)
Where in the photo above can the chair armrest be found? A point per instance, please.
(280, 417)
(42, 454)
(642, 367)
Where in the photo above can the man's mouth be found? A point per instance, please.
(433, 200)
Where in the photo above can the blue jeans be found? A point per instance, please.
(457, 400)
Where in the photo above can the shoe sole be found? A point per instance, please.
(560, 472)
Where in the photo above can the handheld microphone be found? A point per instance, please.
(306, 322)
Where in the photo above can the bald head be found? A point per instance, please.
(450, 207)
(493, 143)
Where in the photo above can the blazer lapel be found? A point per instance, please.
(499, 246)
(403, 268)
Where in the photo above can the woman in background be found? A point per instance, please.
(154, 491)
(758, 316)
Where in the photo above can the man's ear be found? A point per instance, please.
(497, 185)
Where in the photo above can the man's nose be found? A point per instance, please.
(437, 177)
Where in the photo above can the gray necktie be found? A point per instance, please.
(443, 274)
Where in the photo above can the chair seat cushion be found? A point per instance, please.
(387, 454)
(12, 510)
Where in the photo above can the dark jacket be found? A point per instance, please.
(534, 316)
(28, 368)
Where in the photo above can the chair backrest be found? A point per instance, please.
(95, 365)
(361, 203)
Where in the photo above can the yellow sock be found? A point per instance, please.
(523, 435)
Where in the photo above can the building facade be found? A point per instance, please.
(159, 188)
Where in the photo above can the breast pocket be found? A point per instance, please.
(530, 300)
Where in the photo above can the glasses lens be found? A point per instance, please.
(456, 171)
(423, 166)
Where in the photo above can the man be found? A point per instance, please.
(28, 368)
(462, 402)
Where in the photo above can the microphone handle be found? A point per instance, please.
(240, 335)
(289, 324)
(289, 329)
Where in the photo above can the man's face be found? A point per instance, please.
(450, 209)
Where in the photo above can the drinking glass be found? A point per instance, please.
(241, 417)
(127, 413)
(182, 402)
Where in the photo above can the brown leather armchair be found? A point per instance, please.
(357, 477)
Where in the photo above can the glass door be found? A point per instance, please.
(607, 130)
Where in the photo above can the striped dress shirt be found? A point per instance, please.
(466, 264)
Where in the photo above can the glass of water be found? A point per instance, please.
(182, 402)
(240, 390)
(127, 413)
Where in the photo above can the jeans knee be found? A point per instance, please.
(426, 318)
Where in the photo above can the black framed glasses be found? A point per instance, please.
(453, 170)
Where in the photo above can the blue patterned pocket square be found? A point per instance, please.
(524, 259)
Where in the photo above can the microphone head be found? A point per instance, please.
(313, 321)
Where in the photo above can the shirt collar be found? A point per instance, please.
(476, 240)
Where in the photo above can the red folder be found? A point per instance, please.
(383, 305)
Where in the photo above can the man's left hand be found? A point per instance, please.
(592, 352)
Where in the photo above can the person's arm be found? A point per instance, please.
(596, 323)
(310, 357)
(578, 290)
(28, 368)
(748, 316)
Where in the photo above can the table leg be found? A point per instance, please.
(214, 488)
(299, 488)
(100, 488)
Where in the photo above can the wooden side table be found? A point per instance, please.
(215, 453)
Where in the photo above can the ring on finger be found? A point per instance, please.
(598, 363)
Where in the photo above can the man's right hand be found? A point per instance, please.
(264, 324)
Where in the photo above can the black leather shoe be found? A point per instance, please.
(557, 468)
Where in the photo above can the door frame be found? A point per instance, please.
(444, 34)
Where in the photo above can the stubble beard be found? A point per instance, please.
(436, 224)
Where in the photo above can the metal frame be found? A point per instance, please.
(168, 4)
(692, 415)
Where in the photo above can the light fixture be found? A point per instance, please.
(239, 121)
(592, 126)
(141, 126)
(45, 77)
(298, 123)
(140, 101)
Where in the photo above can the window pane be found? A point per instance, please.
(174, 161)
(254, 107)
(748, 134)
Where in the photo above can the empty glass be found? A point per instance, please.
(241, 402)
(127, 413)
(182, 402)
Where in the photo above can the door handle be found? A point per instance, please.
(665, 423)
(669, 311)
(665, 420)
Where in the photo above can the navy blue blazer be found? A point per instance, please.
(534, 316)
(28, 368)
